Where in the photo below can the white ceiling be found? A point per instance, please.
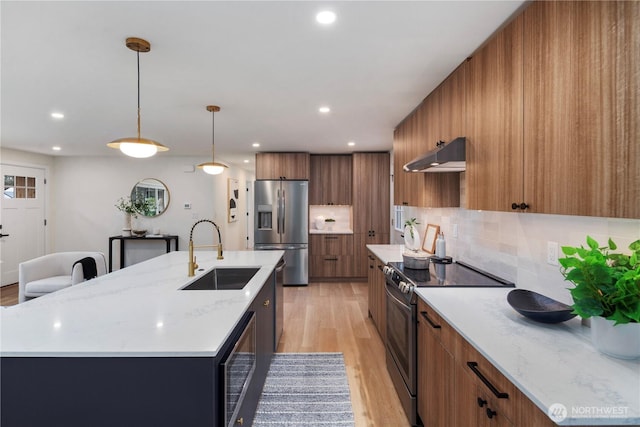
(267, 64)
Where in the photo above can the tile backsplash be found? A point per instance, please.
(514, 245)
(341, 213)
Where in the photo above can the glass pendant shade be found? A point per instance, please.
(135, 146)
(212, 167)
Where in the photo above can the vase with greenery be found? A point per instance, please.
(130, 209)
(606, 286)
(412, 241)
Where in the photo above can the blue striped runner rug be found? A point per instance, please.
(305, 389)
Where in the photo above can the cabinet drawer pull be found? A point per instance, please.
(266, 303)
(491, 413)
(331, 259)
(380, 267)
(481, 402)
(370, 257)
(474, 367)
(433, 325)
(331, 237)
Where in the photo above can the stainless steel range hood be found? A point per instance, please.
(449, 157)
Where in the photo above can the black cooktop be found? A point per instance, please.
(456, 274)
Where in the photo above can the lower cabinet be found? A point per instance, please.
(330, 256)
(457, 386)
(377, 296)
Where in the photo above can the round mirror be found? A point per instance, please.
(151, 196)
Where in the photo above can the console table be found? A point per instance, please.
(123, 239)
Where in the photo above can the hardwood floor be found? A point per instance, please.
(332, 317)
(9, 294)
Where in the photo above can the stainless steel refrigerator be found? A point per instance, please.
(282, 222)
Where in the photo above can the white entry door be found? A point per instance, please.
(21, 218)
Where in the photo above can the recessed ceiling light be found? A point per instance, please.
(57, 115)
(324, 110)
(256, 144)
(326, 17)
(351, 143)
(56, 148)
(246, 161)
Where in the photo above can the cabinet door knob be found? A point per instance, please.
(240, 421)
(491, 413)
(481, 402)
(524, 206)
(514, 206)
(266, 303)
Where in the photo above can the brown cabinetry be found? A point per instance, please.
(282, 166)
(552, 107)
(494, 176)
(377, 296)
(440, 117)
(437, 363)
(581, 108)
(457, 386)
(330, 182)
(330, 255)
(371, 207)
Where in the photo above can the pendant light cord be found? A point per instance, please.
(138, 56)
(213, 136)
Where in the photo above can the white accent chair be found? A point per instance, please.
(52, 272)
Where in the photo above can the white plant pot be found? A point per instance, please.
(411, 242)
(621, 341)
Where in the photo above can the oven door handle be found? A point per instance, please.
(402, 303)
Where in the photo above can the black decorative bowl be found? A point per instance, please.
(539, 307)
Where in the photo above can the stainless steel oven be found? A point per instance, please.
(401, 348)
(401, 345)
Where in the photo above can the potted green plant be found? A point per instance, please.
(411, 235)
(606, 289)
(130, 209)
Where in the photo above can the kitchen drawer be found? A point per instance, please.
(443, 332)
(493, 387)
(331, 244)
(330, 266)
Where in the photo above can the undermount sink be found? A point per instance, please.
(223, 279)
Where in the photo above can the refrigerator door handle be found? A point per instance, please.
(284, 209)
(278, 210)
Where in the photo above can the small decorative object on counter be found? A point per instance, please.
(319, 222)
(607, 286)
(411, 235)
(441, 249)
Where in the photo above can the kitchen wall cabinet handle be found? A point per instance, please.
(522, 206)
(491, 413)
(433, 325)
(481, 402)
(331, 259)
(474, 367)
(266, 303)
(331, 237)
(3, 235)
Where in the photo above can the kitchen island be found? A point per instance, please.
(130, 347)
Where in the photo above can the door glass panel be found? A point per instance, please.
(19, 187)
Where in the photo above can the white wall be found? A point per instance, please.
(514, 245)
(83, 191)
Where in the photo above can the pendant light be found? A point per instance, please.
(135, 146)
(213, 167)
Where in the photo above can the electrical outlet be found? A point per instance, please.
(455, 230)
(552, 253)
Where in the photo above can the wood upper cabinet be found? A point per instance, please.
(494, 146)
(282, 165)
(582, 108)
(371, 207)
(438, 117)
(330, 182)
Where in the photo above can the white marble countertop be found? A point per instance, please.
(333, 231)
(138, 311)
(550, 363)
(387, 253)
